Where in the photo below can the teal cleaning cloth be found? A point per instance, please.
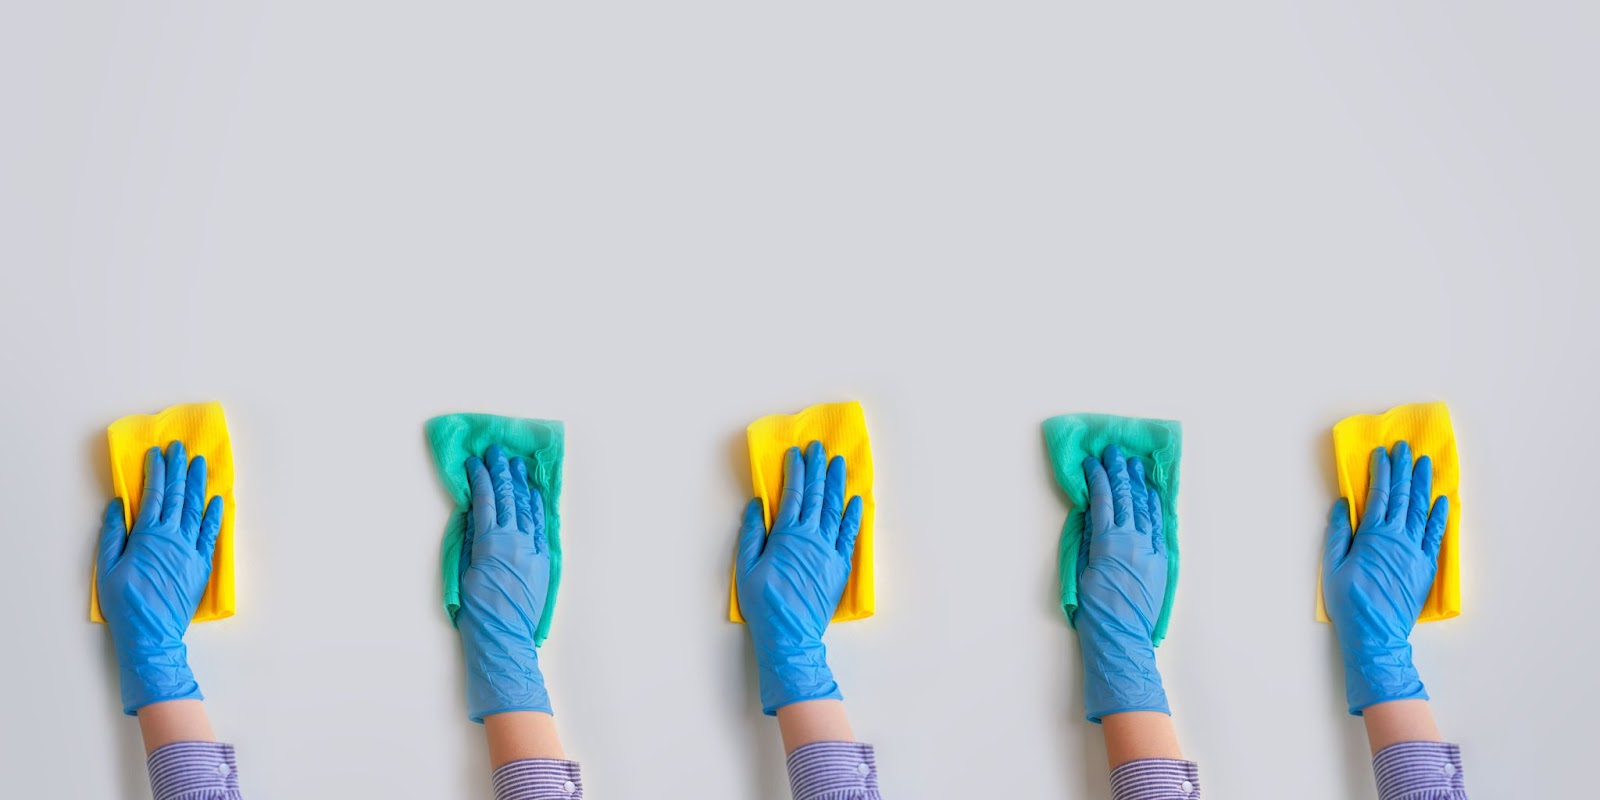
(1158, 443)
(541, 443)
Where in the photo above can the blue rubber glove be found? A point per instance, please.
(1374, 584)
(150, 583)
(505, 576)
(790, 582)
(1122, 581)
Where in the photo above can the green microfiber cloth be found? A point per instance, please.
(1158, 443)
(541, 443)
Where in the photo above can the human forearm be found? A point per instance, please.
(1139, 734)
(174, 721)
(813, 721)
(1399, 721)
(527, 758)
(516, 735)
(1121, 585)
(1375, 580)
(789, 582)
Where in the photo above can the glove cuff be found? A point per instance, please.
(155, 676)
(498, 682)
(1381, 676)
(795, 675)
(1120, 676)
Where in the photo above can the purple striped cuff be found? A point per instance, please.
(1420, 771)
(834, 771)
(538, 779)
(194, 771)
(1156, 779)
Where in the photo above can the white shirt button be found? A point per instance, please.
(1186, 787)
(863, 769)
(223, 770)
(569, 787)
(1449, 770)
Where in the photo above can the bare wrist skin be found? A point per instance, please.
(174, 721)
(1399, 721)
(516, 735)
(813, 721)
(1133, 735)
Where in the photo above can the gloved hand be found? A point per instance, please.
(790, 582)
(150, 583)
(1374, 584)
(505, 576)
(1122, 581)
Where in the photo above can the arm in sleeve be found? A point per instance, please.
(834, 771)
(194, 771)
(1156, 779)
(1419, 771)
(538, 779)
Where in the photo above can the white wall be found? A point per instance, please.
(659, 223)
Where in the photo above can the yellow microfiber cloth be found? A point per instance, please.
(1426, 426)
(204, 432)
(842, 429)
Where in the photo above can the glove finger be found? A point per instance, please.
(811, 499)
(177, 476)
(1400, 472)
(505, 493)
(1421, 490)
(849, 528)
(210, 526)
(833, 500)
(1140, 496)
(194, 499)
(482, 504)
(1121, 486)
(521, 495)
(1336, 538)
(1158, 531)
(1433, 539)
(1099, 511)
(794, 480)
(113, 536)
(155, 480)
(1377, 491)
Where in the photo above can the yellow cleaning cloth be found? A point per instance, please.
(204, 432)
(1426, 426)
(842, 429)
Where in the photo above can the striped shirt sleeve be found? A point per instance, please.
(834, 771)
(1419, 771)
(194, 771)
(1156, 779)
(538, 779)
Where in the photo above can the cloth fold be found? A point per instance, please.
(453, 438)
(204, 432)
(1427, 427)
(842, 429)
(1071, 438)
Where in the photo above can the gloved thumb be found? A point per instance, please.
(113, 536)
(752, 537)
(1337, 544)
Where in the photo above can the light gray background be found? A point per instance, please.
(660, 222)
